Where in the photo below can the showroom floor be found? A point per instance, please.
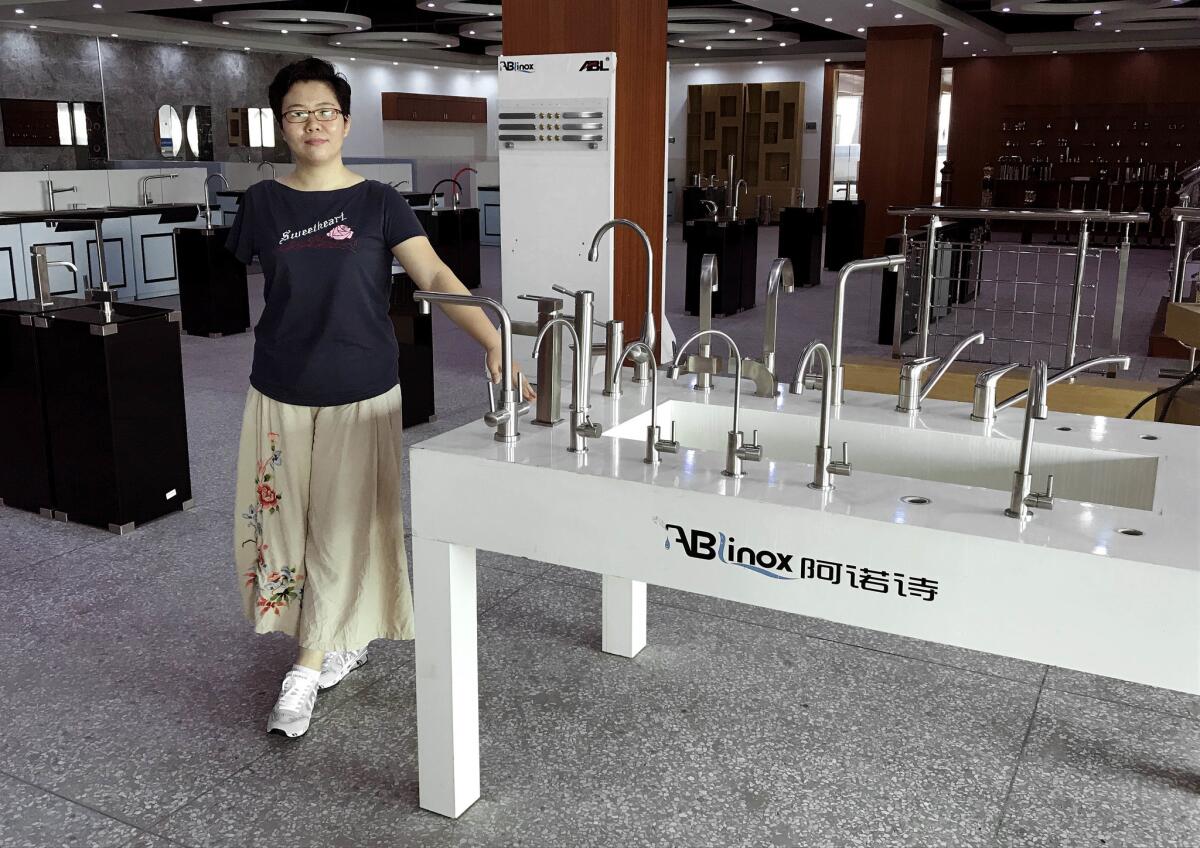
(134, 695)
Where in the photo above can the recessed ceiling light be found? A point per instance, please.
(1116, 30)
(33, 26)
(114, 35)
(1006, 9)
(708, 47)
(477, 72)
(965, 43)
(1098, 23)
(829, 20)
(437, 67)
(402, 39)
(471, 32)
(20, 11)
(898, 16)
(827, 61)
(696, 65)
(795, 8)
(358, 29)
(783, 44)
(183, 42)
(1141, 48)
(245, 48)
(749, 20)
(862, 29)
(944, 34)
(352, 59)
(97, 5)
(304, 20)
(395, 63)
(870, 5)
(760, 38)
(760, 61)
(224, 23)
(732, 31)
(430, 5)
(1095, 11)
(1053, 51)
(283, 32)
(337, 44)
(447, 45)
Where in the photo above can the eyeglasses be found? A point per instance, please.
(300, 116)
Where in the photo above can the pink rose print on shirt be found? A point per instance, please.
(340, 232)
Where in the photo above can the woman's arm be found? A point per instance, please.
(430, 273)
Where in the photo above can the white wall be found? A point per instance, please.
(421, 139)
(811, 72)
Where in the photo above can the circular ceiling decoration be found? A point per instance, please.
(705, 21)
(460, 7)
(484, 30)
(1072, 7)
(1162, 16)
(763, 39)
(312, 21)
(494, 50)
(396, 40)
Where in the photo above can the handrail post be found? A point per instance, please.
(1077, 289)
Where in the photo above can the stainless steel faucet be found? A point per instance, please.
(711, 208)
(736, 452)
(582, 427)
(655, 444)
(433, 204)
(762, 370)
(144, 186)
(511, 405)
(641, 372)
(911, 373)
(985, 406)
(40, 266)
(1022, 498)
(549, 362)
(51, 191)
(889, 263)
(704, 364)
(823, 467)
(737, 194)
(208, 202)
(270, 165)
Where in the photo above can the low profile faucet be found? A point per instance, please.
(641, 371)
(823, 467)
(711, 208)
(655, 444)
(1022, 498)
(51, 191)
(512, 407)
(736, 452)
(147, 200)
(207, 202)
(762, 370)
(433, 207)
(582, 428)
(912, 372)
(985, 406)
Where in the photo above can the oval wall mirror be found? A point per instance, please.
(193, 133)
(169, 132)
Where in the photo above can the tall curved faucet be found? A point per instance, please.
(582, 427)
(144, 186)
(655, 444)
(208, 202)
(270, 165)
(823, 468)
(433, 194)
(641, 372)
(737, 194)
(762, 370)
(736, 452)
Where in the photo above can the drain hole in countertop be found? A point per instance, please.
(1064, 429)
(1129, 531)
(915, 500)
(1150, 438)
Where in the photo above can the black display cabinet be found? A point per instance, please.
(414, 335)
(26, 481)
(800, 232)
(846, 222)
(212, 284)
(735, 244)
(454, 234)
(115, 414)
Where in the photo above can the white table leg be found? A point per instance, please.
(624, 603)
(447, 670)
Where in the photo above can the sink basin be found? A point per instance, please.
(1080, 473)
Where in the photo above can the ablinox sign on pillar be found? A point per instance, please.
(557, 162)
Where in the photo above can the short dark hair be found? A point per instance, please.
(311, 69)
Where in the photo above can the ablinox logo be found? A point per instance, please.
(702, 545)
(594, 65)
(525, 68)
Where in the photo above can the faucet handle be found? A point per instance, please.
(589, 429)
(751, 451)
(992, 376)
(1042, 500)
(843, 467)
(562, 290)
(670, 445)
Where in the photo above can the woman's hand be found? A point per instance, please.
(495, 370)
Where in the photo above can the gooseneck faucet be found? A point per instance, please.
(270, 165)
(762, 370)
(1022, 498)
(641, 372)
(207, 201)
(511, 405)
(736, 452)
(912, 372)
(433, 205)
(823, 467)
(147, 199)
(985, 406)
(655, 444)
(582, 428)
(737, 194)
(51, 191)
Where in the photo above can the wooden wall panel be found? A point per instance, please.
(637, 31)
(899, 124)
(984, 88)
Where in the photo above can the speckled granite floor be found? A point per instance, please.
(133, 696)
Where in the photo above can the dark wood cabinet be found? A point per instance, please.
(402, 106)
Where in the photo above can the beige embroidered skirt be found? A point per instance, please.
(319, 540)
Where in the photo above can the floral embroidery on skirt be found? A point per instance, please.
(277, 586)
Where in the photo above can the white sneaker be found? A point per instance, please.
(337, 664)
(293, 711)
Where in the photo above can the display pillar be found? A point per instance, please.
(899, 125)
(636, 30)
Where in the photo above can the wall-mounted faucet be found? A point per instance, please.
(270, 165)
(582, 427)
(433, 204)
(736, 452)
(511, 405)
(655, 444)
(641, 371)
(208, 202)
(823, 467)
(51, 191)
(985, 407)
(144, 186)
(912, 372)
(762, 370)
(1022, 498)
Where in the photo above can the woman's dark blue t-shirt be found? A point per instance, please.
(324, 338)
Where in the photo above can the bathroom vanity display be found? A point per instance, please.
(414, 336)
(212, 284)
(910, 535)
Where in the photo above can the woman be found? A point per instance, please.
(319, 531)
